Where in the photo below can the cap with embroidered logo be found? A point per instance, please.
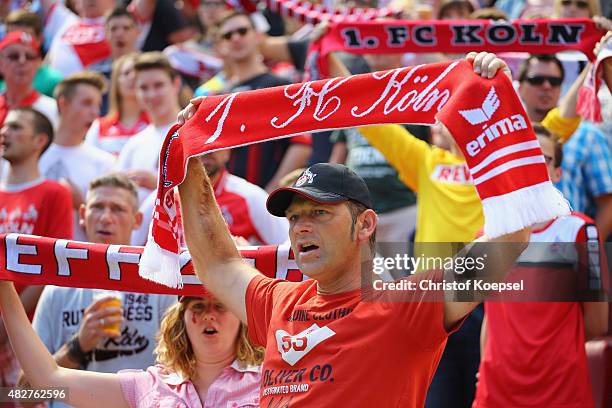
(323, 183)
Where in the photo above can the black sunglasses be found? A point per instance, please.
(16, 56)
(579, 4)
(540, 79)
(242, 31)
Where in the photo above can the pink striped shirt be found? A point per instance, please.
(235, 387)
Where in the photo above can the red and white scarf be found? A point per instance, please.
(401, 36)
(484, 115)
(33, 260)
(308, 12)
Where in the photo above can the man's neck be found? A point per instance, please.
(247, 69)
(347, 279)
(23, 172)
(16, 93)
(67, 136)
(536, 115)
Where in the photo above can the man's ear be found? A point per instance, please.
(137, 221)
(82, 215)
(368, 221)
(556, 175)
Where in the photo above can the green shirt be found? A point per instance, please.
(45, 80)
(387, 191)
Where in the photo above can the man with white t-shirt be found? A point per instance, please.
(69, 159)
(19, 61)
(76, 43)
(157, 90)
(70, 321)
(29, 204)
(242, 204)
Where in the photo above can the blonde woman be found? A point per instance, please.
(125, 116)
(204, 355)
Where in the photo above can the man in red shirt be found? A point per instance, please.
(324, 345)
(533, 353)
(19, 61)
(29, 204)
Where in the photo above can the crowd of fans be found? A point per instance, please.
(90, 90)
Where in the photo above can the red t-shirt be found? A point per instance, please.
(25, 102)
(337, 351)
(43, 207)
(534, 354)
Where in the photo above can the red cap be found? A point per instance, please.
(20, 37)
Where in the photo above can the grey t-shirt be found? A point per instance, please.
(58, 317)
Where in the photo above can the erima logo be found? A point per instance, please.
(306, 177)
(293, 348)
(484, 113)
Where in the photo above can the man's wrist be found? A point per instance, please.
(76, 353)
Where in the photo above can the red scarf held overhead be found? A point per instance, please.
(33, 260)
(401, 36)
(484, 115)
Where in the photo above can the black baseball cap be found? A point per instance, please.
(323, 183)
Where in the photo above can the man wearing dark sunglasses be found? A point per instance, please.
(540, 79)
(19, 60)
(237, 42)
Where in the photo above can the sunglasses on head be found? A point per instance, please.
(540, 79)
(579, 4)
(16, 56)
(242, 31)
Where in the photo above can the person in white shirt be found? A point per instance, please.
(68, 159)
(79, 42)
(157, 90)
(242, 204)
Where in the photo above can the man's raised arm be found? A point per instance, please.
(499, 255)
(215, 258)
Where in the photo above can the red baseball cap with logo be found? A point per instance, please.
(20, 37)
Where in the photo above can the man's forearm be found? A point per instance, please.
(215, 258)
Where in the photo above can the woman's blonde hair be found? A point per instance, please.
(114, 97)
(594, 8)
(174, 349)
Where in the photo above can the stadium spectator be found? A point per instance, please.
(157, 90)
(196, 59)
(121, 32)
(29, 204)
(586, 180)
(19, 61)
(533, 352)
(71, 321)
(243, 206)
(75, 43)
(204, 356)
(68, 158)
(455, 9)
(46, 78)
(263, 164)
(125, 117)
